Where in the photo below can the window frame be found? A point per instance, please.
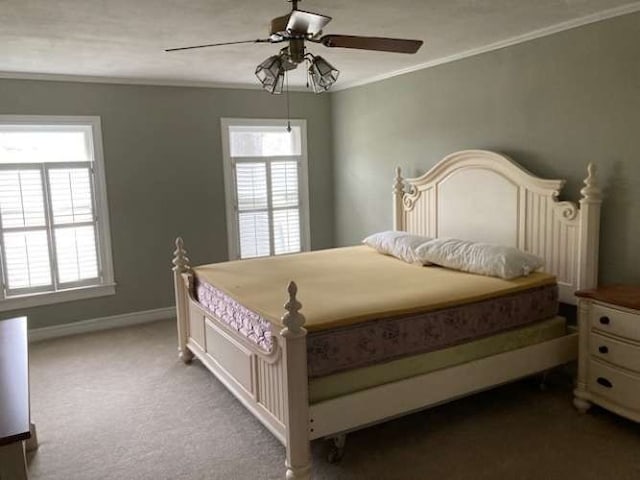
(82, 289)
(231, 202)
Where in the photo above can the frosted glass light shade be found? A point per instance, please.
(322, 75)
(271, 74)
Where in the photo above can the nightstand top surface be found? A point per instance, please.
(621, 295)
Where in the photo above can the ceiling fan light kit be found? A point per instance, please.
(322, 75)
(271, 74)
(300, 26)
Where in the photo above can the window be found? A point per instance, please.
(54, 226)
(266, 187)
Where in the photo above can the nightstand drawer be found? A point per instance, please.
(616, 322)
(614, 385)
(613, 351)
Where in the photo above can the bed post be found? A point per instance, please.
(294, 349)
(180, 266)
(398, 192)
(589, 231)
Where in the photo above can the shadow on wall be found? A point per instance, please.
(616, 234)
(540, 167)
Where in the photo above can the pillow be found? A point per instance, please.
(483, 258)
(401, 245)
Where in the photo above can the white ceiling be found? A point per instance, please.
(124, 39)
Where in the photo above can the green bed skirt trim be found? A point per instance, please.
(351, 381)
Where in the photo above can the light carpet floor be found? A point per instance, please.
(120, 405)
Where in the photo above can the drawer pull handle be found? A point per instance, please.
(603, 349)
(605, 320)
(604, 382)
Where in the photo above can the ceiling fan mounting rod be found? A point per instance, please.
(296, 50)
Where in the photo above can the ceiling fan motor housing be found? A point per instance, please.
(296, 50)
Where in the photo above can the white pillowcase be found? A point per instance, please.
(401, 245)
(483, 258)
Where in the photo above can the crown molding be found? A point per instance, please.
(55, 77)
(542, 32)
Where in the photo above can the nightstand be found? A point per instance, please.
(609, 353)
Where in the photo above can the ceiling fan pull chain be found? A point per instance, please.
(286, 80)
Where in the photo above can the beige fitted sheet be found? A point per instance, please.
(343, 286)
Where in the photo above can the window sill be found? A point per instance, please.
(48, 298)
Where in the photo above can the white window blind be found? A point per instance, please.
(51, 224)
(265, 167)
(24, 229)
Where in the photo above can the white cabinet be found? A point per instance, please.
(609, 355)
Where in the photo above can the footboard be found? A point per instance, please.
(271, 385)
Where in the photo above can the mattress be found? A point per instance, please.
(456, 307)
(351, 381)
(377, 341)
(344, 286)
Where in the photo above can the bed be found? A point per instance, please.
(348, 358)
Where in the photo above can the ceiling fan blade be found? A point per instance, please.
(396, 45)
(259, 40)
(306, 22)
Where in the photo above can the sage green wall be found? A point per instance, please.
(553, 104)
(163, 165)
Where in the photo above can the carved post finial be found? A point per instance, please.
(398, 193)
(180, 259)
(590, 205)
(398, 183)
(182, 287)
(295, 383)
(591, 192)
(293, 320)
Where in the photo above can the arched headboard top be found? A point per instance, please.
(486, 159)
(485, 196)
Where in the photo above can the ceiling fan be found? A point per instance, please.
(299, 27)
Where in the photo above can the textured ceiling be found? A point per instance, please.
(125, 38)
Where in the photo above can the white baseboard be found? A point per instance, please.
(104, 323)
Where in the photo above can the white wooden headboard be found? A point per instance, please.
(485, 196)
